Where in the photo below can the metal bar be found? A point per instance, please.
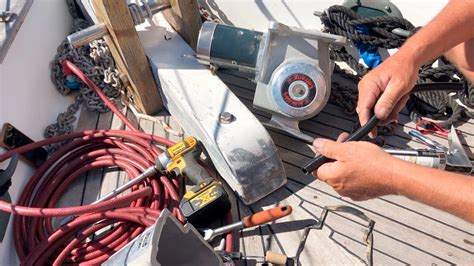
(87, 35)
(148, 172)
(227, 228)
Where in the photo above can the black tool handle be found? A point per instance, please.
(195, 172)
(358, 135)
(373, 121)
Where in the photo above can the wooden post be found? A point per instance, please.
(128, 53)
(185, 18)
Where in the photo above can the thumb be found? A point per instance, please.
(329, 148)
(388, 100)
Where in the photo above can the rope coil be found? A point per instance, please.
(436, 104)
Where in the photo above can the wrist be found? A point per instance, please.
(411, 56)
(395, 180)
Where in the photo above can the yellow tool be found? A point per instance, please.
(207, 200)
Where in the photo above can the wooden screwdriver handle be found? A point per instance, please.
(267, 216)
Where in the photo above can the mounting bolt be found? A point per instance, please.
(226, 118)
(7, 16)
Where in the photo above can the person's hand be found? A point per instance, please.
(384, 90)
(361, 171)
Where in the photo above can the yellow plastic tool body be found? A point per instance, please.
(176, 152)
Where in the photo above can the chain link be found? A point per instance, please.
(97, 63)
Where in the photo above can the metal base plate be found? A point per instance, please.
(289, 126)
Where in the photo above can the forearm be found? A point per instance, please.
(452, 26)
(453, 193)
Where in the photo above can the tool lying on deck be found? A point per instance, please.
(360, 133)
(429, 127)
(291, 65)
(205, 202)
(207, 199)
(430, 158)
(249, 221)
(456, 155)
(282, 259)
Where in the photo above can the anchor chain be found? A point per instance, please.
(96, 61)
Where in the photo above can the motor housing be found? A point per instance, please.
(291, 65)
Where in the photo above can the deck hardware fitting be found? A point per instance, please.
(7, 16)
(226, 118)
(368, 236)
(138, 13)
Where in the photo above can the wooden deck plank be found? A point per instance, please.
(110, 178)
(122, 175)
(74, 193)
(285, 234)
(387, 245)
(110, 175)
(94, 178)
(398, 232)
(251, 240)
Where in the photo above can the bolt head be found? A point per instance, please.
(226, 118)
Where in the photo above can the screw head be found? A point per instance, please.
(388, 9)
(226, 118)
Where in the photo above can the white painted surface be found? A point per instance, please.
(255, 14)
(28, 99)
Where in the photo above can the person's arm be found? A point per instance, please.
(453, 193)
(383, 90)
(452, 26)
(363, 171)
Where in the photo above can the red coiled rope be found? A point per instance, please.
(38, 242)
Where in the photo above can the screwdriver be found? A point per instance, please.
(249, 221)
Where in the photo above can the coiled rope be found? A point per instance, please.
(343, 21)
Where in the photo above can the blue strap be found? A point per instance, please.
(370, 54)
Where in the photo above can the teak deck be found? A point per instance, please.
(406, 232)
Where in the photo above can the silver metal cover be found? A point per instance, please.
(286, 71)
(203, 47)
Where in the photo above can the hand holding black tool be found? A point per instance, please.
(319, 160)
